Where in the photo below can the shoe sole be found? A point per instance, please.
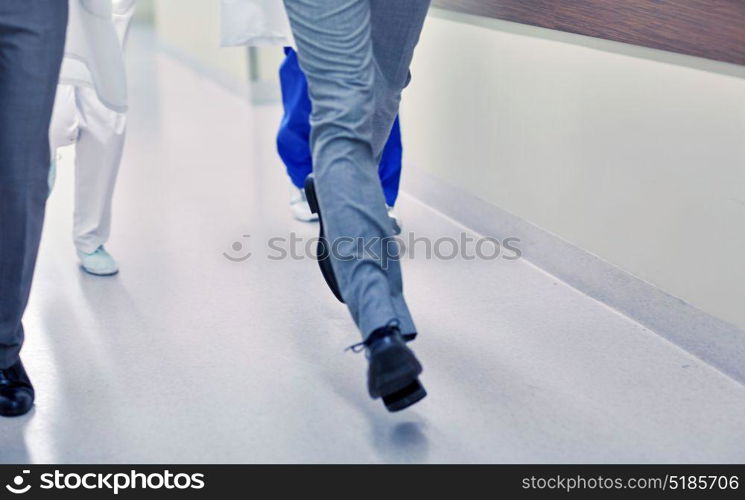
(17, 413)
(10, 413)
(305, 219)
(99, 274)
(409, 395)
(300, 216)
(322, 250)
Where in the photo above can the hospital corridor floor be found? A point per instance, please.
(198, 352)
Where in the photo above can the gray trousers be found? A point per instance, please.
(356, 56)
(32, 40)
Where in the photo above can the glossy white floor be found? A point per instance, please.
(189, 357)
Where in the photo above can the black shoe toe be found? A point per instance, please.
(409, 395)
(16, 391)
(15, 402)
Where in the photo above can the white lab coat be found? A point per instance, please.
(93, 51)
(90, 111)
(253, 23)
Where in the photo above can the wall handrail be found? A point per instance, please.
(714, 29)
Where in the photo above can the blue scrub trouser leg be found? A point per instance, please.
(389, 169)
(293, 138)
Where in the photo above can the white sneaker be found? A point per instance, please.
(299, 206)
(98, 263)
(301, 209)
(395, 221)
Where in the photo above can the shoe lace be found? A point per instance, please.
(356, 348)
(360, 346)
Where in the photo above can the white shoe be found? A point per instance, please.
(301, 210)
(98, 263)
(299, 206)
(395, 221)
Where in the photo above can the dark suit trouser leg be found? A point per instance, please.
(32, 38)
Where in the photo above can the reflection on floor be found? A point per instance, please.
(187, 356)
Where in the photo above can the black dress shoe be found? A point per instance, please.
(393, 372)
(16, 391)
(323, 251)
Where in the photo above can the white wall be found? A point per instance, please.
(193, 27)
(635, 155)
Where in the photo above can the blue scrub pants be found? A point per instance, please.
(293, 139)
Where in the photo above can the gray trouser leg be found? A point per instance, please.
(32, 39)
(356, 56)
(98, 155)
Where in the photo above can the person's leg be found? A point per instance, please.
(293, 141)
(396, 26)
(355, 93)
(389, 169)
(32, 38)
(98, 154)
(293, 138)
(335, 51)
